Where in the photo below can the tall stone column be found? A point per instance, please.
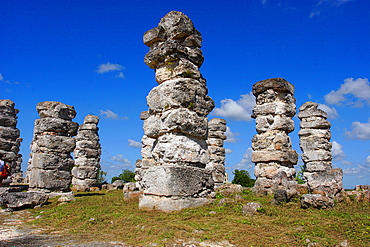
(215, 141)
(10, 141)
(50, 161)
(272, 149)
(315, 144)
(87, 155)
(172, 172)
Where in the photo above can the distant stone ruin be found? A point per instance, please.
(9, 138)
(50, 163)
(172, 172)
(272, 154)
(87, 155)
(316, 147)
(215, 141)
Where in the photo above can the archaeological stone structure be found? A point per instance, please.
(172, 173)
(50, 163)
(10, 140)
(272, 154)
(316, 147)
(87, 155)
(216, 150)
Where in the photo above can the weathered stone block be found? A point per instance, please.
(286, 156)
(55, 110)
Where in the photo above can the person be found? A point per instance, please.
(4, 170)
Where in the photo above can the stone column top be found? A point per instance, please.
(277, 84)
(55, 110)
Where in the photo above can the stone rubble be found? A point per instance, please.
(316, 147)
(10, 140)
(50, 158)
(87, 155)
(216, 150)
(172, 172)
(272, 154)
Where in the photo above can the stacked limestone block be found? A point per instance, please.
(172, 172)
(216, 137)
(50, 161)
(316, 147)
(87, 155)
(272, 154)
(9, 138)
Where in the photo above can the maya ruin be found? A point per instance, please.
(183, 156)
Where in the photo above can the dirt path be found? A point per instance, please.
(13, 232)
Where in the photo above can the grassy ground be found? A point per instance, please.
(107, 216)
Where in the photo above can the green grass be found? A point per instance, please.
(108, 217)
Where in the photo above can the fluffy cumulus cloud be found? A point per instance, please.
(360, 131)
(240, 110)
(337, 151)
(231, 136)
(331, 111)
(115, 164)
(108, 67)
(246, 162)
(134, 144)
(228, 151)
(352, 92)
(326, 5)
(111, 115)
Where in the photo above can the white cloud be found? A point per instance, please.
(1, 77)
(115, 164)
(326, 4)
(331, 111)
(134, 144)
(240, 110)
(346, 163)
(228, 151)
(111, 115)
(368, 160)
(360, 171)
(231, 136)
(120, 75)
(337, 151)
(246, 162)
(107, 67)
(359, 131)
(358, 89)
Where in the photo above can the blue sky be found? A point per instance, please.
(89, 54)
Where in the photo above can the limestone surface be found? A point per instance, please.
(316, 154)
(272, 148)
(87, 154)
(50, 158)
(10, 140)
(172, 172)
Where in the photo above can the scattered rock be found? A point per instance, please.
(20, 200)
(316, 201)
(251, 208)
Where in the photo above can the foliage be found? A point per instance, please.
(99, 216)
(243, 178)
(126, 176)
(299, 176)
(101, 176)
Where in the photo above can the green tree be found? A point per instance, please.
(101, 176)
(126, 176)
(243, 178)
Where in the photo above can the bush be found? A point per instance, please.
(243, 178)
(126, 176)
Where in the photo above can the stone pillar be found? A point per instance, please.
(87, 155)
(172, 172)
(215, 141)
(316, 147)
(50, 161)
(10, 141)
(272, 149)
